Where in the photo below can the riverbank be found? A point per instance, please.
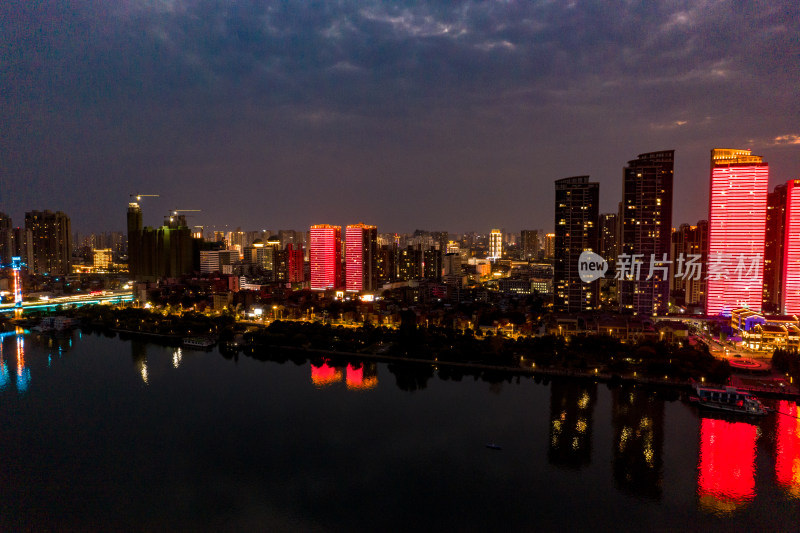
(789, 393)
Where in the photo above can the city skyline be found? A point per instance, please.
(417, 116)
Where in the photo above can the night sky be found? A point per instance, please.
(450, 116)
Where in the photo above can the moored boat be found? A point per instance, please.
(198, 342)
(729, 399)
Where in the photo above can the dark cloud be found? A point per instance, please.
(421, 114)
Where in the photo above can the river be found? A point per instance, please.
(100, 433)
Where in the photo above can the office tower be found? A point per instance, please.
(645, 233)
(326, 257)
(774, 249)
(6, 237)
(689, 248)
(790, 294)
(52, 242)
(576, 231)
(530, 245)
(550, 246)
(736, 231)
(495, 245)
(361, 250)
(607, 247)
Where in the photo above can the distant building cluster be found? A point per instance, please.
(744, 255)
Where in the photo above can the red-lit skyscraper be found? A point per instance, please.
(736, 231)
(791, 251)
(361, 248)
(325, 254)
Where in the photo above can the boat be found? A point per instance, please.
(729, 399)
(198, 342)
(493, 446)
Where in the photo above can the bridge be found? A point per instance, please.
(114, 297)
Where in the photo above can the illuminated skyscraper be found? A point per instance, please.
(326, 257)
(773, 249)
(495, 244)
(791, 251)
(736, 231)
(576, 232)
(646, 232)
(361, 250)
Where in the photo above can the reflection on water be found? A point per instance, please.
(571, 409)
(364, 377)
(787, 454)
(139, 356)
(23, 374)
(638, 420)
(3, 369)
(726, 477)
(177, 357)
(325, 375)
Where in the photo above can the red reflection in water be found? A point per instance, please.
(727, 464)
(787, 460)
(357, 380)
(325, 375)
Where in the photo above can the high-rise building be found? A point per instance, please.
(52, 242)
(530, 245)
(6, 237)
(22, 246)
(432, 263)
(774, 249)
(607, 247)
(689, 247)
(576, 232)
(646, 233)
(165, 252)
(294, 263)
(790, 295)
(134, 239)
(550, 246)
(361, 250)
(736, 231)
(325, 257)
(495, 245)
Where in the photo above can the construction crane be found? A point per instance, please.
(177, 213)
(135, 198)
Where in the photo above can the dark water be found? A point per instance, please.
(106, 434)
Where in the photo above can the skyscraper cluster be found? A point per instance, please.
(746, 255)
(44, 245)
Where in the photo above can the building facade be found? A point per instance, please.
(326, 257)
(736, 231)
(645, 233)
(51, 235)
(361, 251)
(495, 244)
(774, 249)
(790, 294)
(576, 231)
